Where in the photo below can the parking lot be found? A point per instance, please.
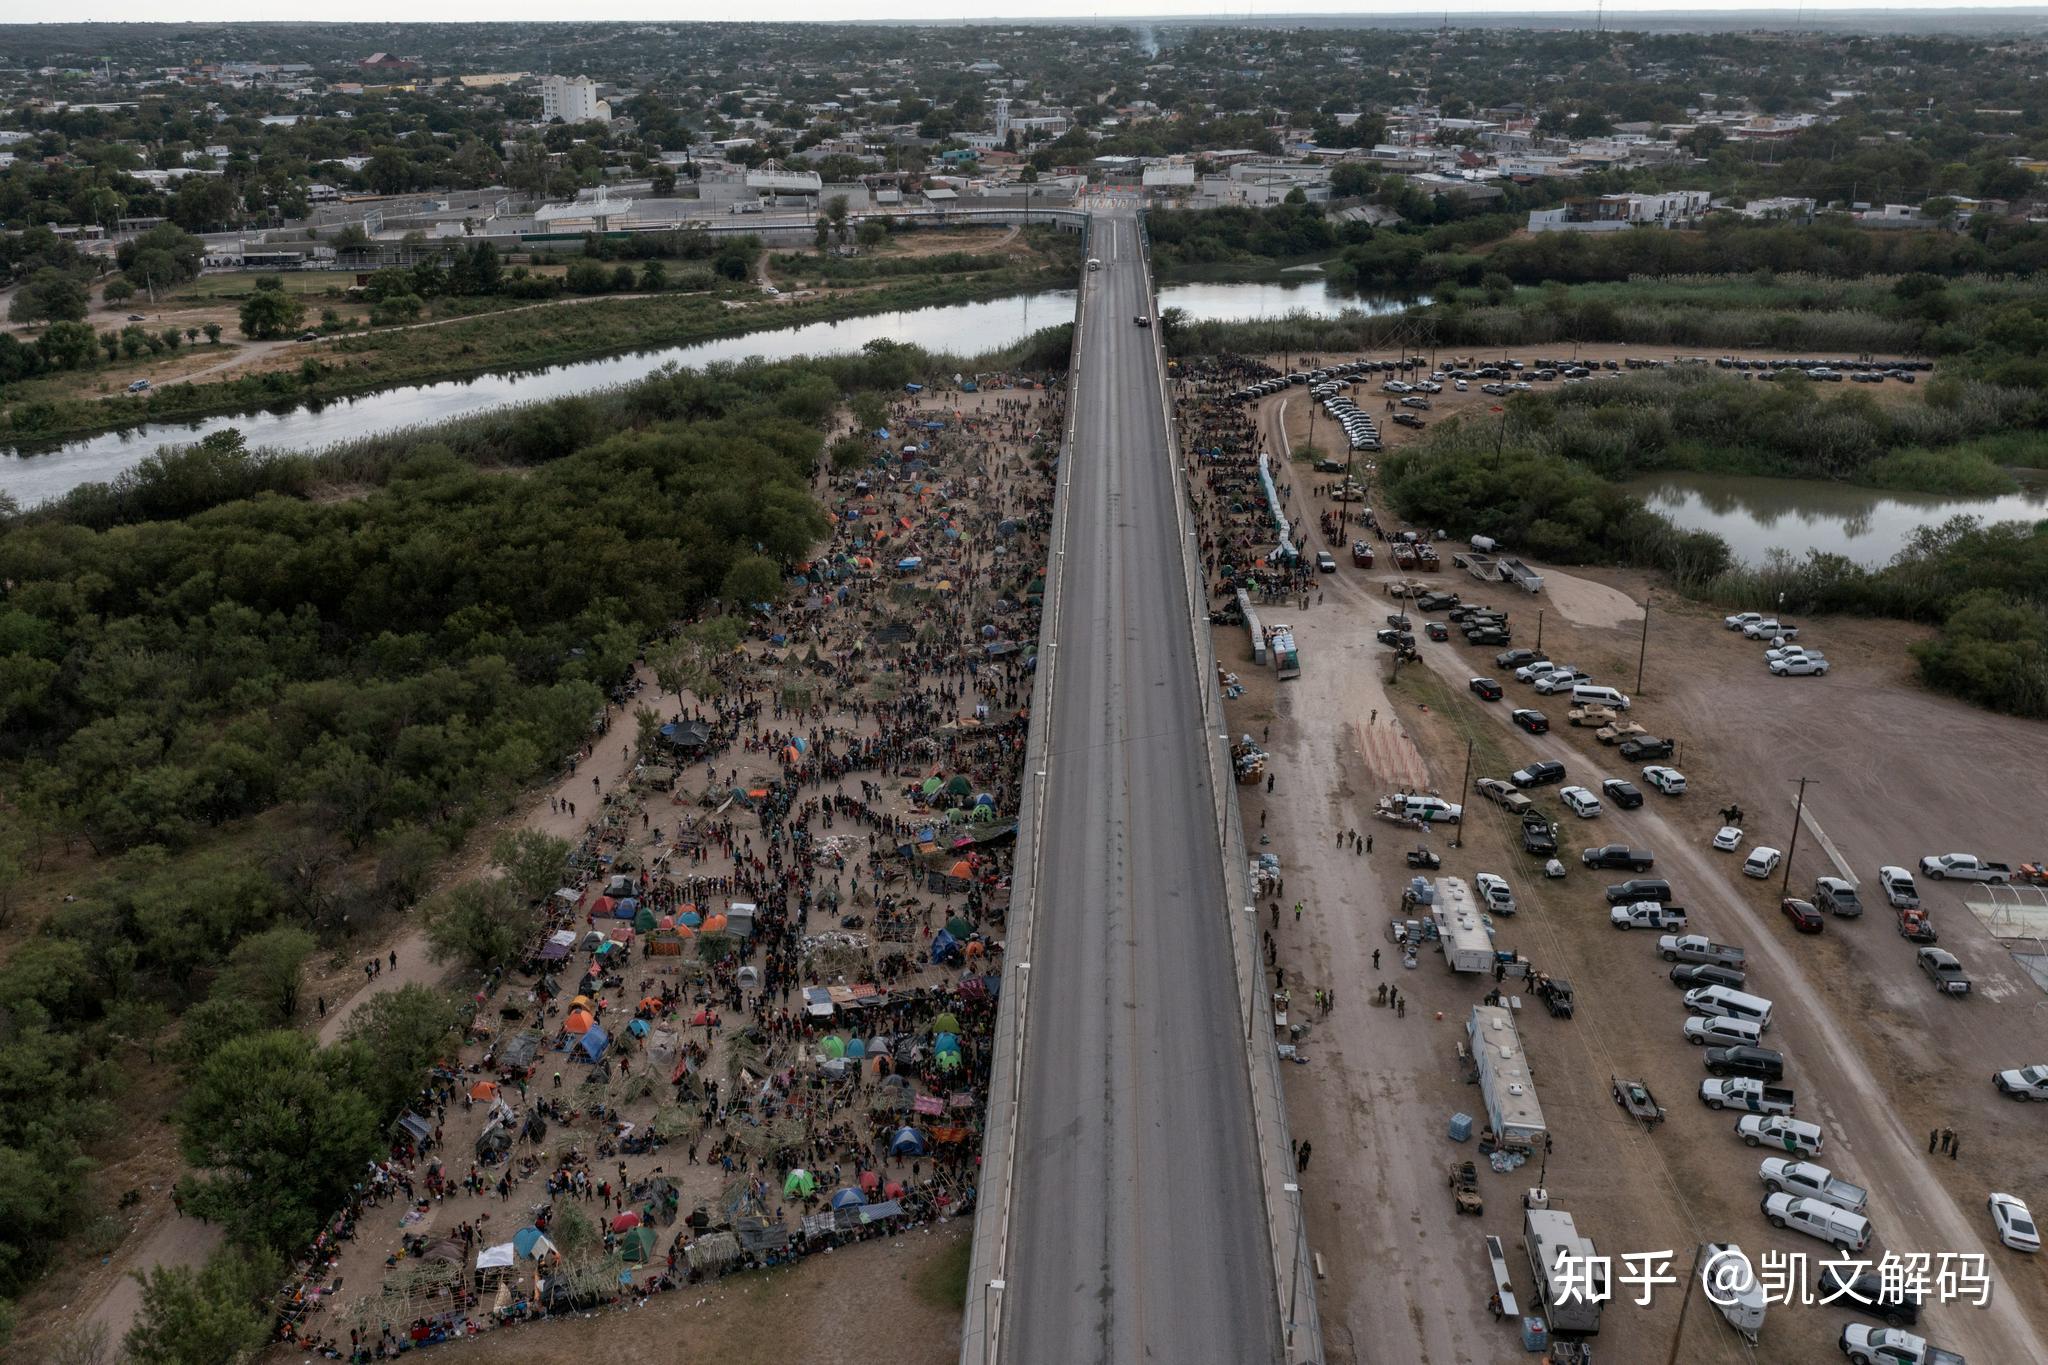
(1874, 1054)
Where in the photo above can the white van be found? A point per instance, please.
(1727, 1003)
(1588, 694)
(1845, 1231)
(1721, 1031)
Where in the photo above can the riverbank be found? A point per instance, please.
(567, 330)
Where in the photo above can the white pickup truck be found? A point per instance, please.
(1796, 1136)
(2028, 1083)
(1964, 867)
(1647, 915)
(1890, 1346)
(1813, 1181)
(1746, 1092)
(1698, 948)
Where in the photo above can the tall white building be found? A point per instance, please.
(572, 99)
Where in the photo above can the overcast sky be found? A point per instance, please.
(842, 10)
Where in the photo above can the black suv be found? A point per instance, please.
(1641, 747)
(1760, 1062)
(1618, 855)
(1539, 774)
(1842, 1287)
(1436, 601)
(1640, 889)
(1622, 794)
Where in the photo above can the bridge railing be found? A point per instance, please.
(981, 1330)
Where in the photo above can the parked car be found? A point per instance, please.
(1966, 867)
(1486, 689)
(1786, 1134)
(1641, 747)
(1842, 1287)
(1670, 781)
(1846, 1232)
(1437, 601)
(1770, 628)
(1494, 893)
(2027, 1083)
(1622, 794)
(2014, 1223)
(1804, 917)
(1761, 862)
(1837, 897)
(1536, 836)
(1639, 889)
(1806, 666)
(1726, 838)
(139, 386)
(1535, 722)
(1539, 774)
(1762, 1063)
(1536, 668)
(1518, 658)
(1899, 891)
(1502, 794)
(1692, 975)
(1890, 1346)
(1580, 802)
(1618, 856)
(1741, 619)
(1943, 970)
(1559, 680)
(1647, 915)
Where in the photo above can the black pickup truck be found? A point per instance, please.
(1619, 856)
(1536, 836)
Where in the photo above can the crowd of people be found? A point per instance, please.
(807, 900)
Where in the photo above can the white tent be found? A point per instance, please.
(499, 1257)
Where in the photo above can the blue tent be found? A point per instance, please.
(592, 1044)
(946, 1042)
(523, 1240)
(626, 908)
(907, 1142)
(638, 1028)
(847, 1198)
(943, 944)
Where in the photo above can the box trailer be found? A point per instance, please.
(1571, 1282)
(1467, 946)
(1521, 575)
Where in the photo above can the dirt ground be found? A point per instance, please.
(859, 1304)
(1876, 1057)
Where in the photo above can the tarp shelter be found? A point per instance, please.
(687, 734)
(559, 945)
(501, 1256)
(593, 1043)
(739, 920)
(415, 1127)
(568, 895)
(875, 1213)
(521, 1052)
(907, 1142)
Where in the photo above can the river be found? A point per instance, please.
(1867, 525)
(963, 328)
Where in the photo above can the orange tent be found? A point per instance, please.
(652, 1002)
(963, 870)
(579, 1021)
(581, 1002)
(484, 1090)
(714, 924)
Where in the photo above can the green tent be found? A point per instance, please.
(947, 1061)
(833, 1045)
(644, 922)
(637, 1246)
(931, 784)
(959, 927)
(799, 1184)
(946, 1023)
(959, 785)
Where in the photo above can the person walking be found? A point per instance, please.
(1400, 1007)
(1955, 1148)
(1297, 912)
(1301, 1155)
(1368, 843)
(1933, 1140)
(1376, 967)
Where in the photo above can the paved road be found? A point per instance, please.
(1138, 1230)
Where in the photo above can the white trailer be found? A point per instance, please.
(1510, 1095)
(1459, 928)
(1571, 1282)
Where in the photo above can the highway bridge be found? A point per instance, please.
(1135, 1204)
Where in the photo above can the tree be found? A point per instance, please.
(265, 968)
(653, 276)
(67, 345)
(479, 923)
(50, 295)
(403, 1032)
(117, 290)
(406, 857)
(163, 256)
(533, 862)
(269, 314)
(218, 1315)
(212, 330)
(751, 579)
(280, 1134)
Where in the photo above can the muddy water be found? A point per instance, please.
(1867, 525)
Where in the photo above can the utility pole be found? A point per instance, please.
(1792, 845)
(1643, 652)
(1539, 628)
(1464, 785)
(1678, 1329)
